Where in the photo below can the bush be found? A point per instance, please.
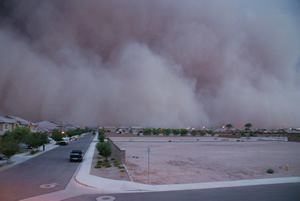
(270, 171)
(107, 165)
(33, 152)
(122, 170)
(97, 166)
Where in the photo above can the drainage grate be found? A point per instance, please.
(48, 185)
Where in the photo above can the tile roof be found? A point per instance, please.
(6, 120)
(19, 119)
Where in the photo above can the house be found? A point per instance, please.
(123, 129)
(6, 124)
(48, 124)
(23, 122)
(136, 129)
(110, 129)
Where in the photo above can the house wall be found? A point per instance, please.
(10, 127)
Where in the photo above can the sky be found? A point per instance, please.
(151, 63)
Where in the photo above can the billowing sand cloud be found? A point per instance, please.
(150, 63)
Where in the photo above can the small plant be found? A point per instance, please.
(97, 166)
(113, 159)
(32, 152)
(107, 165)
(122, 170)
(270, 171)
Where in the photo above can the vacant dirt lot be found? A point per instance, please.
(207, 159)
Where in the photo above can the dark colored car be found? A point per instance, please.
(2, 157)
(76, 155)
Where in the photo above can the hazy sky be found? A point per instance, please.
(153, 63)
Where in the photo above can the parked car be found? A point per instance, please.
(76, 155)
(63, 142)
(2, 157)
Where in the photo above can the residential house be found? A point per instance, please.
(6, 124)
(110, 129)
(136, 129)
(23, 122)
(123, 129)
(48, 124)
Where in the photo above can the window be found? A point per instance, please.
(5, 126)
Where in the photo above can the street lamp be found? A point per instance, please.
(148, 151)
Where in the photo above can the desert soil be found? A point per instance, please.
(204, 159)
(109, 173)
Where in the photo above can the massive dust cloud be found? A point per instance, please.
(149, 63)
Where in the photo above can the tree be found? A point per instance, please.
(202, 132)
(101, 137)
(147, 131)
(194, 132)
(248, 126)
(9, 145)
(166, 131)
(156, 131)
(20, 133)
(175, 131)
(104, 149)
(71, 132)
(228, 126)
(57, 135)
(183, 132)
(36, 140)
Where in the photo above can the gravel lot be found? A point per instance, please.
(207, 159)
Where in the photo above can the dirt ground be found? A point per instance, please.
(207, 159)
(109, 173)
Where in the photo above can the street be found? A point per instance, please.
(43, 174)
(275, 192)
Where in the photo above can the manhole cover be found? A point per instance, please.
(48, 185)
(106, 198)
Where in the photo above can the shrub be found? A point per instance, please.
(270, 171)
(122, 170)
(107, 165)
(97, 166)
(113, 159)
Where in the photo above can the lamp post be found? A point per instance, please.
(148, 151)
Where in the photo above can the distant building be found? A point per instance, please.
(110, 129)
(136, 129)
(123, 129)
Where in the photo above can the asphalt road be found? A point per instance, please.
(52, 167)
(274, 192)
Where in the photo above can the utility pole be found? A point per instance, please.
(148, 162)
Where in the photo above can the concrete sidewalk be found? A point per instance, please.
(20, 158)
(83, 177)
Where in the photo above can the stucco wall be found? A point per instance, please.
(117, 152)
